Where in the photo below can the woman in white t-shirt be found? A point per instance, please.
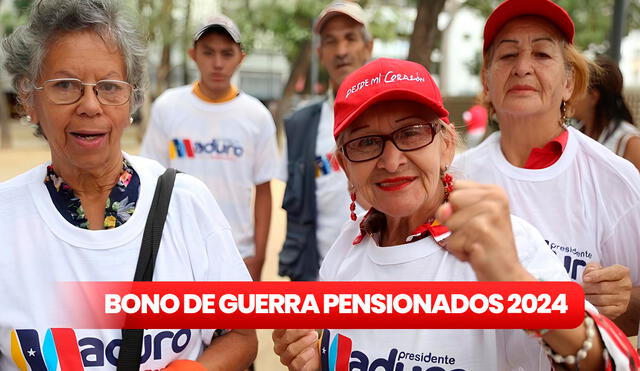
(78, 67)
(583, 199)
(604, 114)
(395, 144)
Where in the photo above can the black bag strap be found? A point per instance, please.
(131, 345)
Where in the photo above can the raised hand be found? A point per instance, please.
(478, 217)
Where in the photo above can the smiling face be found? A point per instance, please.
(399, 184)
(342, 48)
(526, 73)
(86, 134)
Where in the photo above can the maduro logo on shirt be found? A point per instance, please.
(217, 148)
(326, 164)
(61, 350)
(573, 259)
(337, 355)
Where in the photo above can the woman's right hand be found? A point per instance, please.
(478, 217)
(297, 349)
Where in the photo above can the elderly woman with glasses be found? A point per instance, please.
(395, 145)
(583, 198)
(78, 68)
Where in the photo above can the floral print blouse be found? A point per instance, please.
(119, 207)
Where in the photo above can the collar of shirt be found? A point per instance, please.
(119, 206)
(374, 221)
(540, 158)
(233, 92)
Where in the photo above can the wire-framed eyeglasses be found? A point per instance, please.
(407, 138)
(69, 91)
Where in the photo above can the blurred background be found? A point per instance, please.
(281, 68)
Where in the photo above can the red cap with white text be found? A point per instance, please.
(383, 80)
(510, 9)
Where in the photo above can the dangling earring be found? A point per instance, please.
(131, 120)
(352, 207)
(447, 183)
(563, 118)
(27, 120)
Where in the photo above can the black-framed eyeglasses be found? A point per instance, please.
(69, 91)
(407, 138)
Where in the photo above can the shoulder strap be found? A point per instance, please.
(155, 225)
(131, 346)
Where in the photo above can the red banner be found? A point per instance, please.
(396, 305)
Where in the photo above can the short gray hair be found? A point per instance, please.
(26, 47)
(366, 36)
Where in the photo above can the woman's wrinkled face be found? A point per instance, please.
(85, 134)
(526, 73)
(398, 183)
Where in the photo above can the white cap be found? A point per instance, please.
(220, 21)
(340, 7)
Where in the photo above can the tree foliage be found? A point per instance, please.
(284, 25)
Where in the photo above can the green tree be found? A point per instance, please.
(286, 26)
(425, 31)
(8, 22)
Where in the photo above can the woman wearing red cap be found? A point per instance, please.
(605, 116)
(395, 144)
(583, 198)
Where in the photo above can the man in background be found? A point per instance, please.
(317, 194)
(221, 135)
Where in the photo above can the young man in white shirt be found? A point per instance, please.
(223, 136)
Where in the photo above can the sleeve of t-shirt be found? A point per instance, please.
(534, 253)
(267, 161)
(155, 144)
(283, 169)
(621, 244)
(338, 251)
(215, 255)
(225, 264)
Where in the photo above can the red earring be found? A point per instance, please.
(447, 183)
(352, 207)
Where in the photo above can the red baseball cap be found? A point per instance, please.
(510, 9)
(383, 80)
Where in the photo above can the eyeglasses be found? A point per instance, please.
(69, 91)
(408, 138)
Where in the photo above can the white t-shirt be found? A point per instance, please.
(586, 205)
(41, 248)
(332, 187)
(424, 260)
(230, 146)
